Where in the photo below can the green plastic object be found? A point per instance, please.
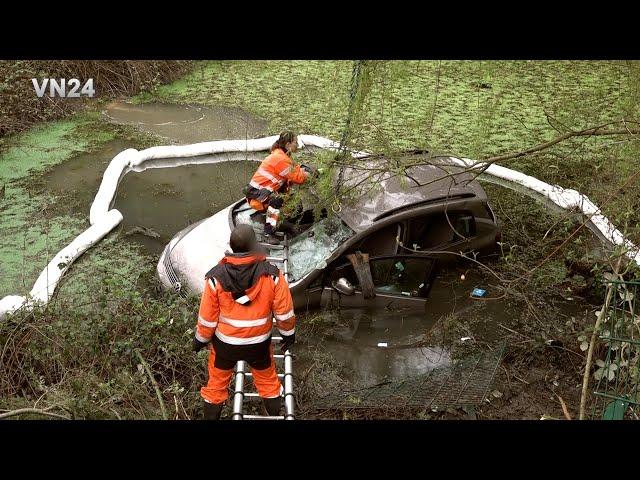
(615, 410)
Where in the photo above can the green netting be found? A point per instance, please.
(616, 396)
(462, 384)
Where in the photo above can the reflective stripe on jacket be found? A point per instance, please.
(247, 319)
(275, 170)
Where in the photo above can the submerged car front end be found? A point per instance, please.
(192, 252)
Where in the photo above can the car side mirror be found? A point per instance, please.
(343, 286)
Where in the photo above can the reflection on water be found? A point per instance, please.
(374, 346)
(162, 200)
(187, 123)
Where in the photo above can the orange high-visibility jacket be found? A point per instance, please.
(275, 170)
(247, 319)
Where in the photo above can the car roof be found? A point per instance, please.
(390, 192)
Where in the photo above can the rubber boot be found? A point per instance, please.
(273, 406)
(269, 235)
(212, 411)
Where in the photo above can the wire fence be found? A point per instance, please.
(616, 395)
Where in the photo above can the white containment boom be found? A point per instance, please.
(103, 218)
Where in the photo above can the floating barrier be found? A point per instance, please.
(103, 218)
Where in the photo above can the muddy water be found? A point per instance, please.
(376, 346)
(155, 203)
(185, 124)
(166, 200)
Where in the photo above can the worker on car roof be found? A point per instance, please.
(274, 176)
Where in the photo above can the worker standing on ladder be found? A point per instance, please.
(274, 175)
(242, 294)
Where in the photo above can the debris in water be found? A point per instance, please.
(143, 231)
(478, 292)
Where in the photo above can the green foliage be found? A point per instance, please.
(85, 362)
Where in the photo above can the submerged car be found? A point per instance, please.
(380, 250)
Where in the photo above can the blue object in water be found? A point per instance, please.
(478, 292)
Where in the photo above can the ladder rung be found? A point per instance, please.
(249, 374)
(271, 247)
(252, 395)
(277, 339)
(262, 417)
(276, 259)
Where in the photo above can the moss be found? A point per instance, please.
(35, 223)
(50, 144)
(507, 114)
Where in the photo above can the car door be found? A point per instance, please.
(400, 282)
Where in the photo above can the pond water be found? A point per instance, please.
(185, 124)
(158, 201)
(374, 346)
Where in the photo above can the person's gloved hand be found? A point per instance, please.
(312, 172)
(198, 345)
(287, 342)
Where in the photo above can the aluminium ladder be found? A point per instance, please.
(241, 372)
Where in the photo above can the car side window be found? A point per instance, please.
(404, 276)
(432, 231)
(345, 271)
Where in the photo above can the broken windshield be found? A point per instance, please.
(311, 249)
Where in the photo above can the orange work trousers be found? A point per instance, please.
(217, 389)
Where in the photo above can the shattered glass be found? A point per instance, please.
(311, 249)
(243, 216)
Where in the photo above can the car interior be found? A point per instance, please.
(409, 276)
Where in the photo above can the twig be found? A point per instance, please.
(37, 411)
(593, 131)
(154, 383)
(592, 344)
(564, 408)
(513, 331)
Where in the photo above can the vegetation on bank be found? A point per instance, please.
(20, 108)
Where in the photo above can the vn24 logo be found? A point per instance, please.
(63, 88)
